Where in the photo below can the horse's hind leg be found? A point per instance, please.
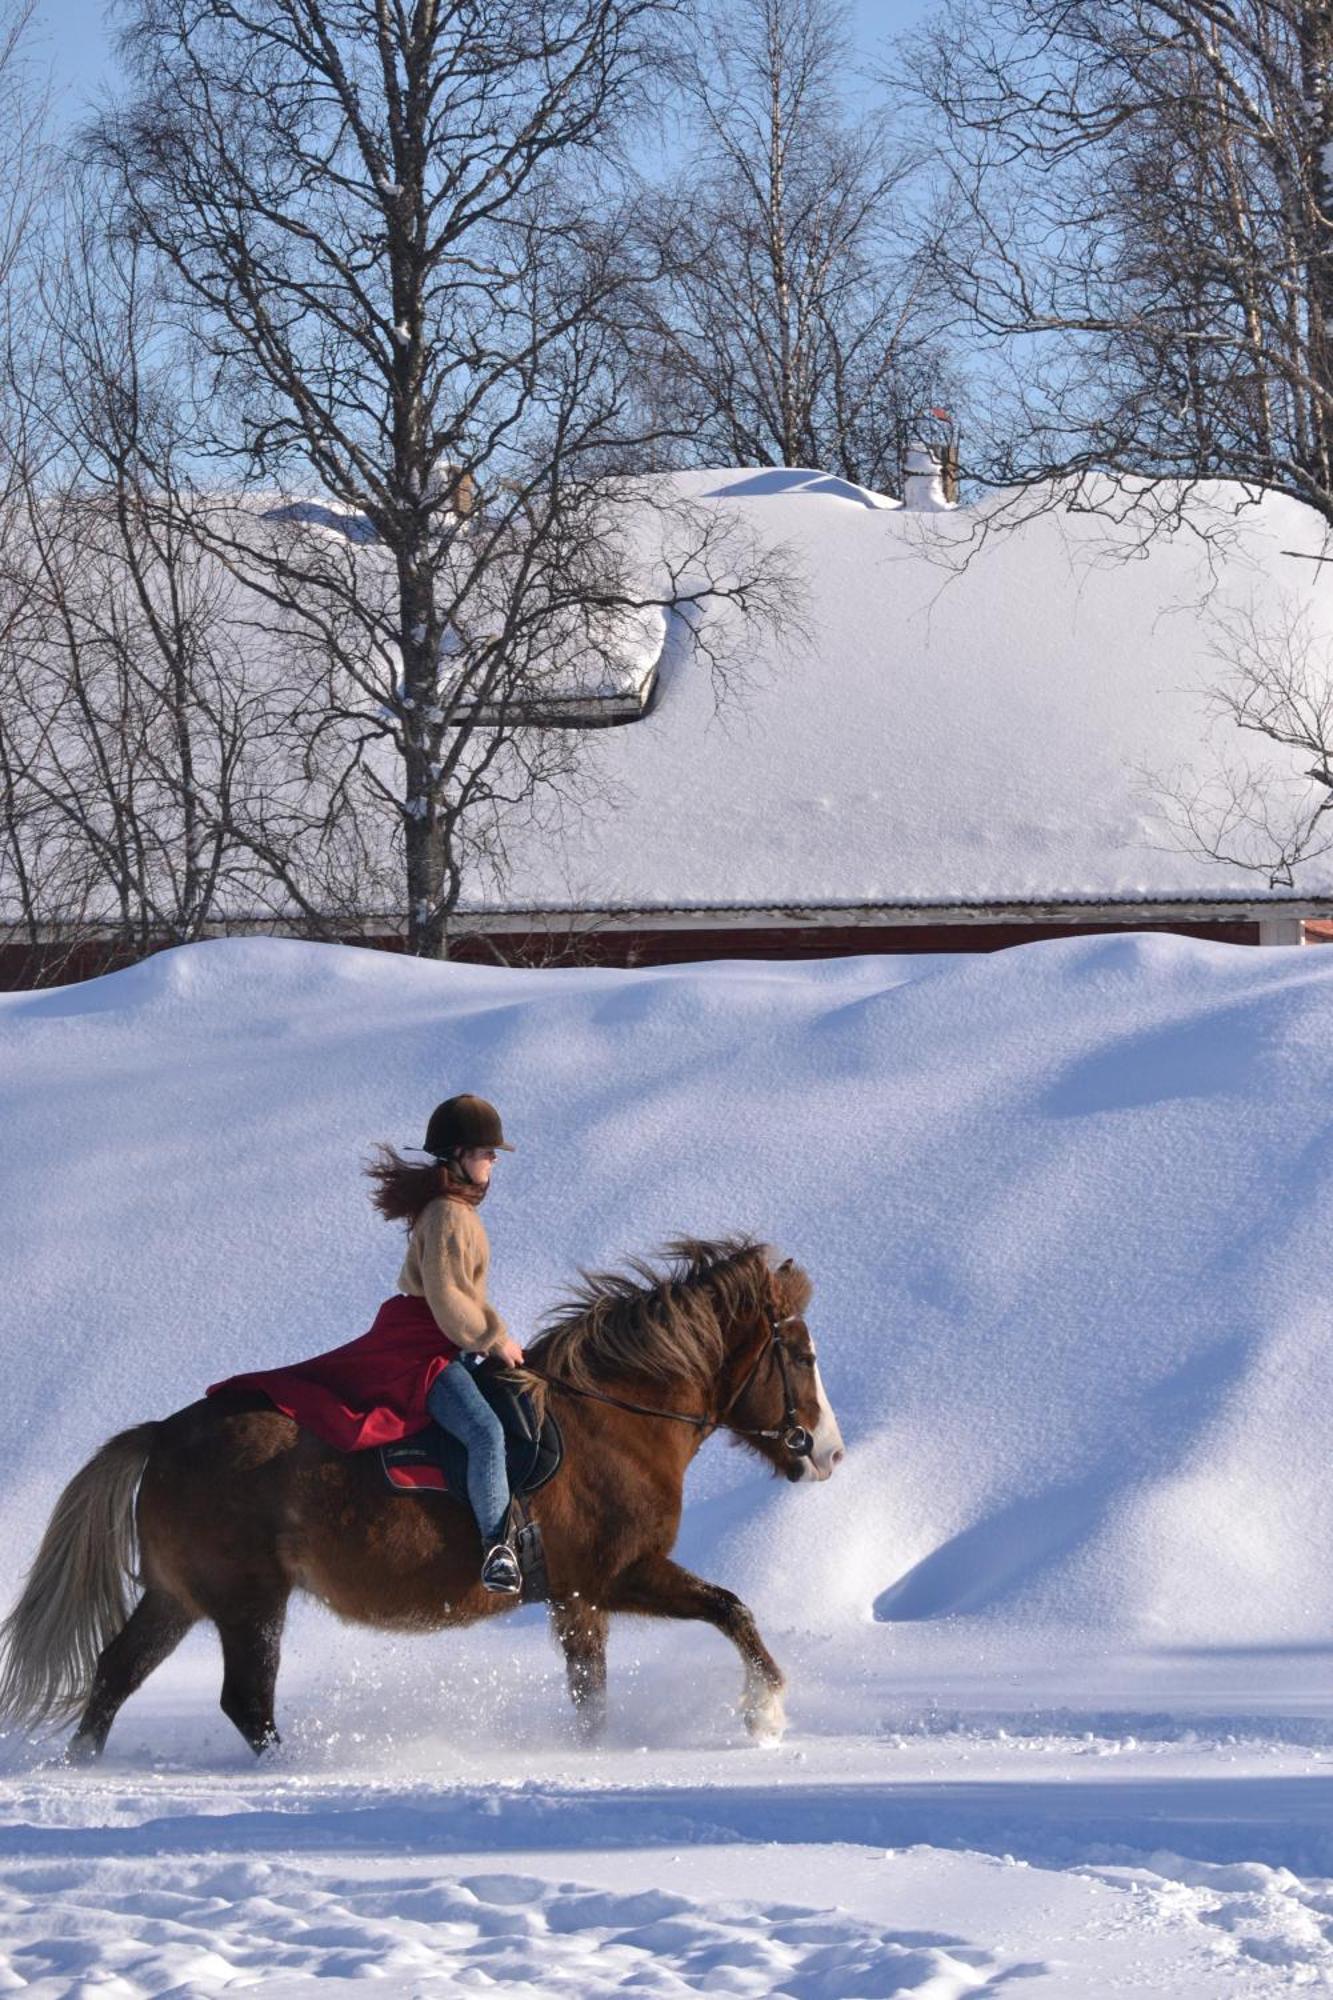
(660, 1588)
(251, 1648)
(154, 1628)
(581, 1629)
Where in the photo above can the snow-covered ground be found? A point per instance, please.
(1060, 1704)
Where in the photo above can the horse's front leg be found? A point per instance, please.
(581, 1629)
(660, 1588)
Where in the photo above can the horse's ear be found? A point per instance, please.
(794, 1286)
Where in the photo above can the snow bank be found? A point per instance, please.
(1067, 1209)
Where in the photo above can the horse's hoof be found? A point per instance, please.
(590, 1726)
(77, 1754)
(766, 1718)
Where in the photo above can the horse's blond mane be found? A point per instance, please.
(663, 1319)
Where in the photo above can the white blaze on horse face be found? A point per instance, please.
(829, 1447)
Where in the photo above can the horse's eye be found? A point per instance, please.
(806, 1360)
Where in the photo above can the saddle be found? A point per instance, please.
(432, 1461)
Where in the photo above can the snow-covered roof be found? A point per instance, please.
(962, 713)
(966, 713)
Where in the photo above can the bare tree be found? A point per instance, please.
(393, 239)
(1267, 816)
(1141, 239)
(25, 167)
(132, 724)
(789, 321)
(25, 153)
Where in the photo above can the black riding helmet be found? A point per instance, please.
(463, 1124)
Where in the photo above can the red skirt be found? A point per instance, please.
(372, 1390)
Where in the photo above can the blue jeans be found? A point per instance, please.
(458, 1406)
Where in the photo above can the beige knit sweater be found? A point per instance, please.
(446, 1264)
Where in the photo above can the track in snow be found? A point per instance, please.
(224, 1925)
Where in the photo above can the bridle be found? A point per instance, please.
(790, 1434)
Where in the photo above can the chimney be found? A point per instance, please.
(925, 483)
(949, 471)
(458, 489)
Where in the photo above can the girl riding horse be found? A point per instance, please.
(222, 1510)
(406, 1370)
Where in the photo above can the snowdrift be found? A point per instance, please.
(1067, 1209)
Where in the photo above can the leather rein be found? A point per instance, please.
(790, 1434)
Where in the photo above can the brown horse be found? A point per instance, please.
(237, 1507)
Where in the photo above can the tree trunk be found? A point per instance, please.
(1315, 40)
(423, 824)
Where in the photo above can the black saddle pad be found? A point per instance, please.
(431, 1461)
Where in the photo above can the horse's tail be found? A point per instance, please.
(77, 1594)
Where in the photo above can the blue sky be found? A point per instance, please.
(75, 41)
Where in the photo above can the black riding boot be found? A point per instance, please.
(499, 1565)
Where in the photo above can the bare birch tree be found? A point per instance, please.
(393, 239)
(25, 166)
(1141, 244)
(24, 169)
(25, 154)
(791, 321)
(1272, 815)
(131, 722)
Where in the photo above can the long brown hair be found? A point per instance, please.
(404, 1189)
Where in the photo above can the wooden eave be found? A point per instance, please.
(770, 916)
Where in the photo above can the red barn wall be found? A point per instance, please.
(23, 966)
